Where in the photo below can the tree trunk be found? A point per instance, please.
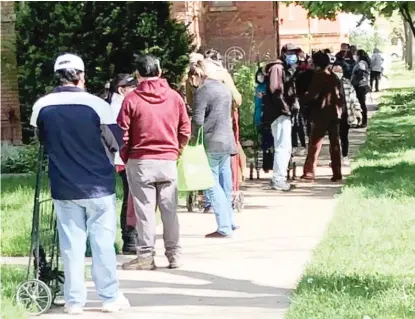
(408, 46)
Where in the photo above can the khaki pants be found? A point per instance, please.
(153, 183)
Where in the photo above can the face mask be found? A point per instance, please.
(260, 78)
(291, 59)
(339, 74)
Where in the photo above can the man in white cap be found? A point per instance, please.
(79, 134)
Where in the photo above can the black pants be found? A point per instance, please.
(344, 136)
(375, 77)
(361, 92)
(128, 233)
(298, 130)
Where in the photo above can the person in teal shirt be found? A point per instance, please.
(267, 140)
(260, 90)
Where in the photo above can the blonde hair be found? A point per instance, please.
(196, 74)
(197, 69)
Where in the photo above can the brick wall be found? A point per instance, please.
(11, 130)
(246, 27)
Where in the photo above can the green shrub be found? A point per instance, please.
(19, 159)
(107, 35)
(245, 82)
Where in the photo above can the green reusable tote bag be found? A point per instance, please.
(193, 168)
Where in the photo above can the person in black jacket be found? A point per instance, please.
(360, 81)
(279, 101)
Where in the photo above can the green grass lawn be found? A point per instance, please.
(11, 277)
(17, 197)
(365, 265)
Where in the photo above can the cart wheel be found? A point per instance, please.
(35, 296)
(189, 202)
(240, 205)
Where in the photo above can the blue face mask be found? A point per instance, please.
(291, 59)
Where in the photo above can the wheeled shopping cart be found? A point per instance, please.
(44, 280)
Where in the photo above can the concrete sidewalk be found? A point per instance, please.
(250, 275)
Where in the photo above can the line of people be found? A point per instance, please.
(141, 130)
(299, 95)
(142, 134)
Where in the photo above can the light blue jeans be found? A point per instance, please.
(220, 195)
(95, 218)
(281, 131)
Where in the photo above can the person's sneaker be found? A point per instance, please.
(295, 150)
(280, 186)
(73, 310)
(174, 262)
(121, 303)
(346, 161)
(208, 210)
(140, 264)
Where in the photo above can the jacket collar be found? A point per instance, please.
(59, 89)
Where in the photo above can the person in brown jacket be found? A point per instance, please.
(325, 99)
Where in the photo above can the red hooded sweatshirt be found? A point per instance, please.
(155, 122)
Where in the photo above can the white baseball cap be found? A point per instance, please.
(69, 61)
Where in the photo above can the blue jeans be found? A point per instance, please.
(207, 203)
(220, 195)
(281, 131)
(95, 218)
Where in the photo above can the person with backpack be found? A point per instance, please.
(121, 85)
(279, 102)
(360, 81)
(325, 99)
(351, 112)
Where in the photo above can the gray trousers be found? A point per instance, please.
(153, 183)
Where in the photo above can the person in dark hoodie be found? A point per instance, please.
(156, 129)
(279, 102)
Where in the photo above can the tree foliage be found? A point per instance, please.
(107, 35)
(368, 9)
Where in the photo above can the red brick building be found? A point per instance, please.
(243, 29)
(11, 131)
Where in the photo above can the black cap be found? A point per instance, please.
(129, 81)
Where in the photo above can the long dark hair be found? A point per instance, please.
(363, 56)
(115, 84)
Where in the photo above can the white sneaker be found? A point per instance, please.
(346, 161)
(121, 303)
(71, 310)
(280, 186)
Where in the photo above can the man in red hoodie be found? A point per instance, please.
(156, 128)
